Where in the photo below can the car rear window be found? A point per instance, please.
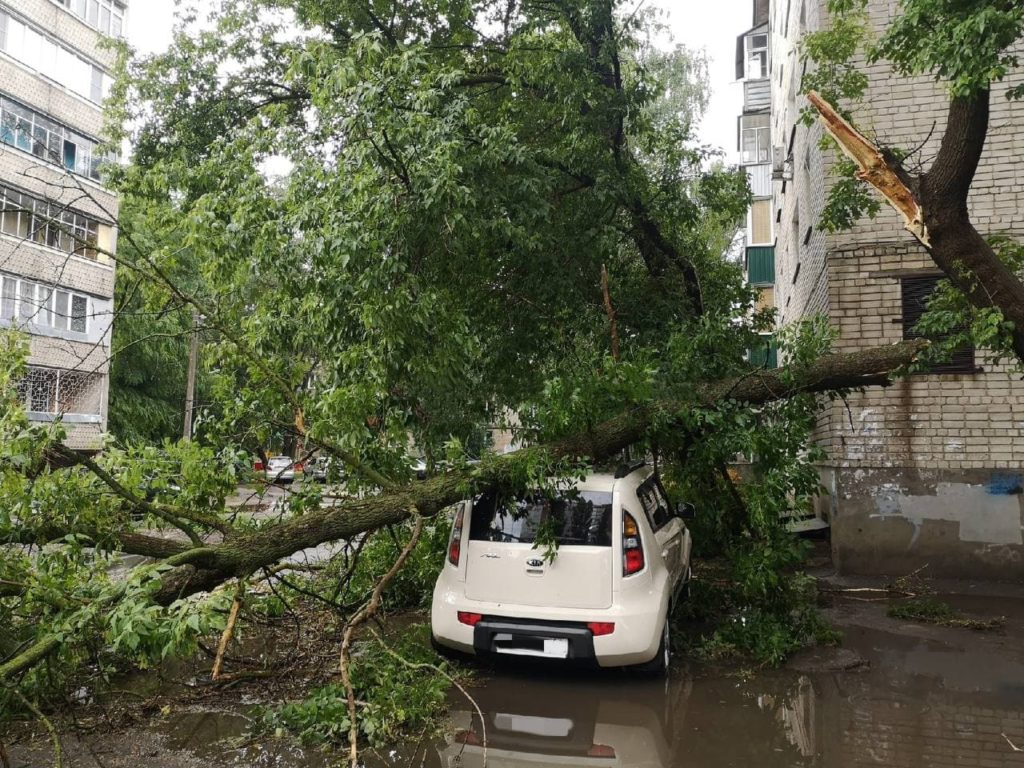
(577, 518)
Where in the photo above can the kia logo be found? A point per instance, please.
(533, 562)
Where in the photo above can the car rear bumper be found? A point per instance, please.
(496, 636)
(520, 631)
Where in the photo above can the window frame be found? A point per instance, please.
(762, 151)
(50, 225)
(46, 313)
(761, 52)
(653, 485)
(51, 58)
(82, 9)
(54, 385)
(55, 142)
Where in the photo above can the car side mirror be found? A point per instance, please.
(686, 510)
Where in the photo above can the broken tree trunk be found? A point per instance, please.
(240, 554)
(934, 205)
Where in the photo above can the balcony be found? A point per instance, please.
(761, 265)
(757, 94)
(760, 179)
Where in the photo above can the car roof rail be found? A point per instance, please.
(623, 470)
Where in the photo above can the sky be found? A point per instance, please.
(711, 25)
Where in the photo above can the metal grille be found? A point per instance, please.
(56, 391)
(916, 292)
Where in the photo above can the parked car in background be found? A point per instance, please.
(279, 469)
(622, 561)
(316, 469)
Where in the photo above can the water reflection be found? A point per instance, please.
(917, 703)
(566, 721)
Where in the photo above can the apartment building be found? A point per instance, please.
(926, 473)
(753, 133)
(57, 221)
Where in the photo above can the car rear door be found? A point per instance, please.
(506, 563)
(669, 531)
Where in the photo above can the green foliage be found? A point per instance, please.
(849, 200)
(934, 611)
(413, 585)
(762, 606)
(459, 179)
(967, 43)
(396, 699)
(951, 321)
(835, 74)
(921, 608)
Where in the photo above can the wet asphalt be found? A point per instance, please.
(895, 694)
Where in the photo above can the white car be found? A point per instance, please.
(283, 469)
(623, 559)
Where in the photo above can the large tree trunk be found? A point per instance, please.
(934, 205)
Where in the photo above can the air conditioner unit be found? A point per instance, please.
(782, 165)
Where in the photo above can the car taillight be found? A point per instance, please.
(632, 548)
(465, 617)
(298, 466)
(455, 543)
(258, 467)
(599, 628)
(600, 750)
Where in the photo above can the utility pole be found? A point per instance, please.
(190, 386)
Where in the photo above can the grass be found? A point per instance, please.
(933, 611)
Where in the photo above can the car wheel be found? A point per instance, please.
(659, 665)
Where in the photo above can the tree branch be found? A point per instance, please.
(874, 167)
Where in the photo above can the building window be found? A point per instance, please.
(31, 131)
(43, 306)
(50, 225)
(38, 52)
(755, 139)
(55, 391)
(104, 15)
(757, 56)
(915, 294)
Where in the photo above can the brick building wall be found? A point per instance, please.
(928, 471)
(69, 366)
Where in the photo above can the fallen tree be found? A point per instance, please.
(491, 209)
(191, 569)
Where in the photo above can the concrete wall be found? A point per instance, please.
(953, 522)
(921, 473)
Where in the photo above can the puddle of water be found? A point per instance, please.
(918, 702)
(926, 697)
